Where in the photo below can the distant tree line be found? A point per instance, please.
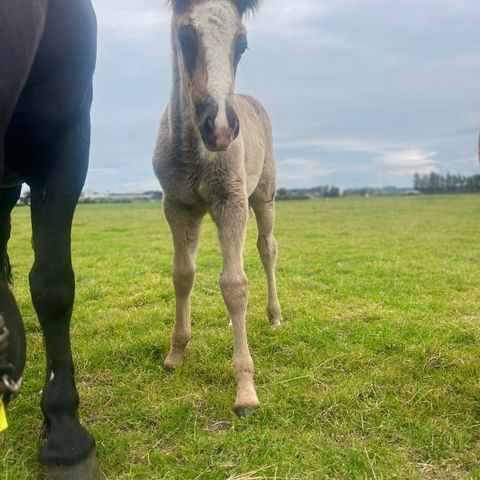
(436, 183)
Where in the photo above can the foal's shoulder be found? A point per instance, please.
(249, 104)
(253, 102)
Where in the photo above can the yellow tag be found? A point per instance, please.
(3, 416)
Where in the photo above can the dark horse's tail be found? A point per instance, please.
(5, 267)
(9, 199)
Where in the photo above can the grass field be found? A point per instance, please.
(374, 374)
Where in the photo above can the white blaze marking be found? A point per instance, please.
(216, 22)
(221, 120)
(52, 375)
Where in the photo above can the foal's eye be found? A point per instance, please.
(187, 36)
(240, 46)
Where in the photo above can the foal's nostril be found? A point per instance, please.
(210, 124)
(207, 111)
(233, 121)
(236, 127)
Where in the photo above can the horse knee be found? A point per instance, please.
(183, 280)
(52, 293)
(234, 291)
(267, 246)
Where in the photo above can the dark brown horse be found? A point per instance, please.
(47, 59)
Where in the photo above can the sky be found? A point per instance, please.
(360, 92)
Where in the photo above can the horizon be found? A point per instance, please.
(158, 187)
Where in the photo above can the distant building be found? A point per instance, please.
(89, 196)
(379, 192)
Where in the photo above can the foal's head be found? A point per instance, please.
(210, 38)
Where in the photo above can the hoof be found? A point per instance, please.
(173, 360)
(274, 316)
(169, 369)
(89, 469)
(245, 412)
(275, 325)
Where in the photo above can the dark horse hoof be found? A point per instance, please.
(244, 412)
(89, 469)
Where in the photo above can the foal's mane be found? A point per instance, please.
(243, 6)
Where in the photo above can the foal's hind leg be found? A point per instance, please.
(267, 247)
(185, 227)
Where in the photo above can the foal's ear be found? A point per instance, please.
(179, 5)
(245, 6)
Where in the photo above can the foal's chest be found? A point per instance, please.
(183, 184)
(199, 183)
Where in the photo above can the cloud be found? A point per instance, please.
(388, 153)
(414, 158)
(123, 18)
(331, 160)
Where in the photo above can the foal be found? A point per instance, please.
(214, 154)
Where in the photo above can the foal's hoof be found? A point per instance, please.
(274, 316)
(245, 412)
(171, 366)
(174, 360)
(168, 369)
(89, 469)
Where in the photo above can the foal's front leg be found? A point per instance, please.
(185, 227)
(231, 217)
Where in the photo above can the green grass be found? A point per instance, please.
(374, 374)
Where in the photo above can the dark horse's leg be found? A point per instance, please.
(68, 452)
(12, 348)
(21, 27)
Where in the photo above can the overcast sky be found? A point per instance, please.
(360, 92)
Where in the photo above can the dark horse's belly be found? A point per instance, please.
(57, 92)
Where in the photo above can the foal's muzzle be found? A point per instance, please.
(219, 124)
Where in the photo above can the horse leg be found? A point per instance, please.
(267, 247)
(12, 348)
(19, 39)
(68, 452)
(231, 217)
(185, 229)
